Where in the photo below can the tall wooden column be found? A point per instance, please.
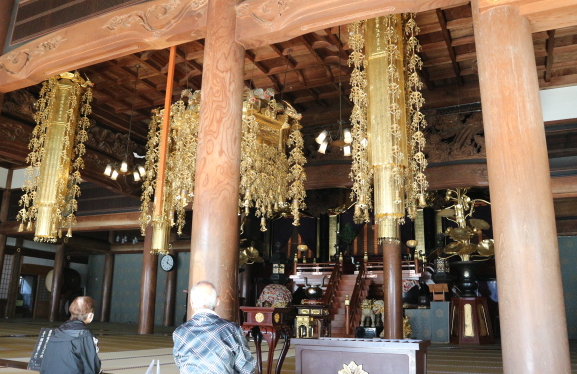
(4, 210)
(392, 291)
(57, 280)
(170, 295)
(14, 283)
(147, 286)
(531, 307)
(215, 236)
(107, 287)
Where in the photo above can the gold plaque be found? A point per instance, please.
(259, 317)
(277, 317)
(305, 311)
(316, 311)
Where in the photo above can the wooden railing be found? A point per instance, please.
(353, 309)
(329, 293)
(410, 269)
(321, 268)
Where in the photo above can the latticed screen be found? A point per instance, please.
(5, 280)
(38, 17)
(42, 293)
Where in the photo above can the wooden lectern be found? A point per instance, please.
(267, 323)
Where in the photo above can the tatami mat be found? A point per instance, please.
(123, 351)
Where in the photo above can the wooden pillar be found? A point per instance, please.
(531, 307)
(4, 210)
(170, 295)
(215, 226)
(14, 283)
(392, 290)
(57, 280)
(107, 287)
(147, 286)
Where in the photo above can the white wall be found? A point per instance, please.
(559, 103)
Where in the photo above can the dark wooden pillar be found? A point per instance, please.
(531, 306)
(14, 284)
(107, 287)
(170, 296)
(392, 290)
(57, 280)
(147, 286)
(215, 226)
(4, 210)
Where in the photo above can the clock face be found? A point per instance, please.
(167, 263)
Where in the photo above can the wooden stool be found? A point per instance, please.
(470, 322)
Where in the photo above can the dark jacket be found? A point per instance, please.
(71, 350)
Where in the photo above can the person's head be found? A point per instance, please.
(82, 309)
(203, 296)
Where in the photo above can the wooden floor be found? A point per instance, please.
(123, 351)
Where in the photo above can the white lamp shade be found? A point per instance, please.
(108, 170)
(141, 170)
(323, 147)
(114, 175)
(136, 176)
(347, 136)
(322, 136)
(124, 167)
(347, 150)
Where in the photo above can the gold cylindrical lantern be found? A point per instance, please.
(56, 157)
(55, 167)
(386, 119)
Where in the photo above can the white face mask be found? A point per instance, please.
(89, 318)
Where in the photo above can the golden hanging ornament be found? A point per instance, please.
(387, 103)
(55, 159)
(180, 170)
(271, 180)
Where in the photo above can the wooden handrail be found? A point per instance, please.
(355, 300)
(329, 295)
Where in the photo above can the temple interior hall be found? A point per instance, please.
(389, 184)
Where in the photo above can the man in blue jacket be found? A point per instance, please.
(208, 344)
(73, 349)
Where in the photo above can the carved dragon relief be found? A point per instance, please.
(457, 136)
(14, 131)
(16, 61)
(267, 14)
(111, 143)
(20, 104)
(148, 18)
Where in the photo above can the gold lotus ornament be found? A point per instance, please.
(486, 247)
(352, 368)
(460, 233)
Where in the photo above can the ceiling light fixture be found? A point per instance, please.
(112, 170)
(343, 137)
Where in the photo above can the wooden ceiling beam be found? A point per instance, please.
(550, 49)
(448, 41)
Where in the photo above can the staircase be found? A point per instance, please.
(346, 286)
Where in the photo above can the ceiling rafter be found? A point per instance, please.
(549, 59)
(448, 41)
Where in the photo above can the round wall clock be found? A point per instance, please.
(167, 262)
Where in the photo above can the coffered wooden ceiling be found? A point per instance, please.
(307, 71)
